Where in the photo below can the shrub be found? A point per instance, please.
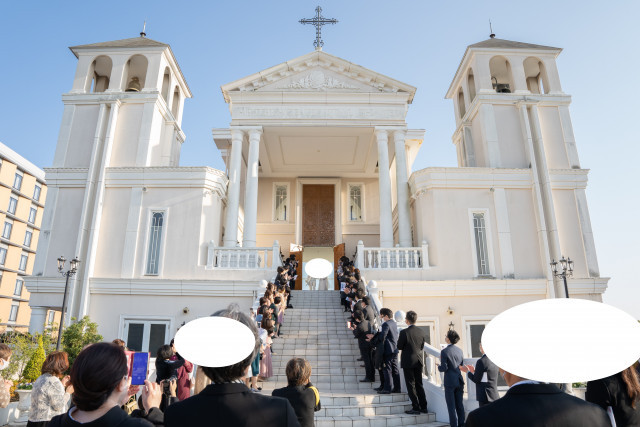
(78, 335)
(34, 365)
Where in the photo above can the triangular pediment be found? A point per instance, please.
(318, 72)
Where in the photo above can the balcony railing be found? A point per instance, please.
(393, 258)
(243, 258)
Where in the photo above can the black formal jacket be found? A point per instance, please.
(387, 338)
(485, 391)
(360, 332)
(116, 417)
(369, 314)
(411, 342)
(303, 400)
(231, 405)
(536, 405)
(612, 391)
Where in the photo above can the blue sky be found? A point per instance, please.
(419, 42)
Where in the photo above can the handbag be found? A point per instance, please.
(131, 405)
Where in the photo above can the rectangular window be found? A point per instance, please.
(13, 204)
(51, 318)
(482, 254)
(146, 335)
(13, 315)
(17, 291)
(17, 181)
(281, 202)
(32, 215)
(27, 238)
(23, 262)
(155, 241)
(355, 202)
(3, 255)
(36, 192)
(6, 230)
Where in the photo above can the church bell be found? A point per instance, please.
(134, 85)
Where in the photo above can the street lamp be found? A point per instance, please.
(563, 268)
(73, 268)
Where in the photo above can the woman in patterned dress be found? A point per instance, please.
(51, 392)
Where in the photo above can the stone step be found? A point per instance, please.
(364, 410)
(377, 421)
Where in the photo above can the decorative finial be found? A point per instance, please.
(318, 21)
(144, 27)
(493, 36)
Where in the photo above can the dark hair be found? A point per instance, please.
(632, 383)
(358, 315)
(119, 343)
(360, 294)
(230, 373)
(356, 274)
(411, 316)
(267, 323)
(453, 336)
(95, 373)
(5, 351)
(293, 256)
(56, 363)
(386, 312)
(263, 300)
(165, 352)
(280, 270)
(298, 372)
(277, 300)
(366, 300)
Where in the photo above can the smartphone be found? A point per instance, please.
(349, 325)
(138, 367)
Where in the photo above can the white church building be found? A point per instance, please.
(318, 154)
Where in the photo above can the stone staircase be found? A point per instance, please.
(315, 329)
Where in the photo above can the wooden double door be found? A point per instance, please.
(318, 215)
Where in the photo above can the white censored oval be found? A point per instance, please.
(215, 341)
(562, 340)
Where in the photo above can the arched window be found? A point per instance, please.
(461, 107)
(165, 85)
(471, 85)
(136, 73)
(176, 103)
(501, 76)
(99, 75)
(536, 75)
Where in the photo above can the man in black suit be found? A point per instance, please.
(227, 402)
(388, 339)
(360, 330)
(411, 341)
(302, 395)
(367, 311)
(532, 404)
(486, 388)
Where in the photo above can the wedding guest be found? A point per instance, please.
(100, 386)
(451, 360)
(5, 386)
(51, 392)
(302, 395)
(621, 392)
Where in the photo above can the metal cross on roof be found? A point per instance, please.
(318, 21)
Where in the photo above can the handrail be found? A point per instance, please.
(243, 258)
(392, 258)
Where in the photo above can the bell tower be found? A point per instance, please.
(511, 113)
(124, 110)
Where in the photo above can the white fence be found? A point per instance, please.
(393, 258)
(243, 258)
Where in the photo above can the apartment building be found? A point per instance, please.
(22, 195)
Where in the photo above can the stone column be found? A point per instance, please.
(404, 217)
(38, 317)
(251, 190)
(384, 183)
(233, 191)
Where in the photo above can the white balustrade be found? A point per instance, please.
(243, 258)
(393, 258)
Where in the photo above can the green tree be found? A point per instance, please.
(22, 348)
(32, 370)
(78, 335)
